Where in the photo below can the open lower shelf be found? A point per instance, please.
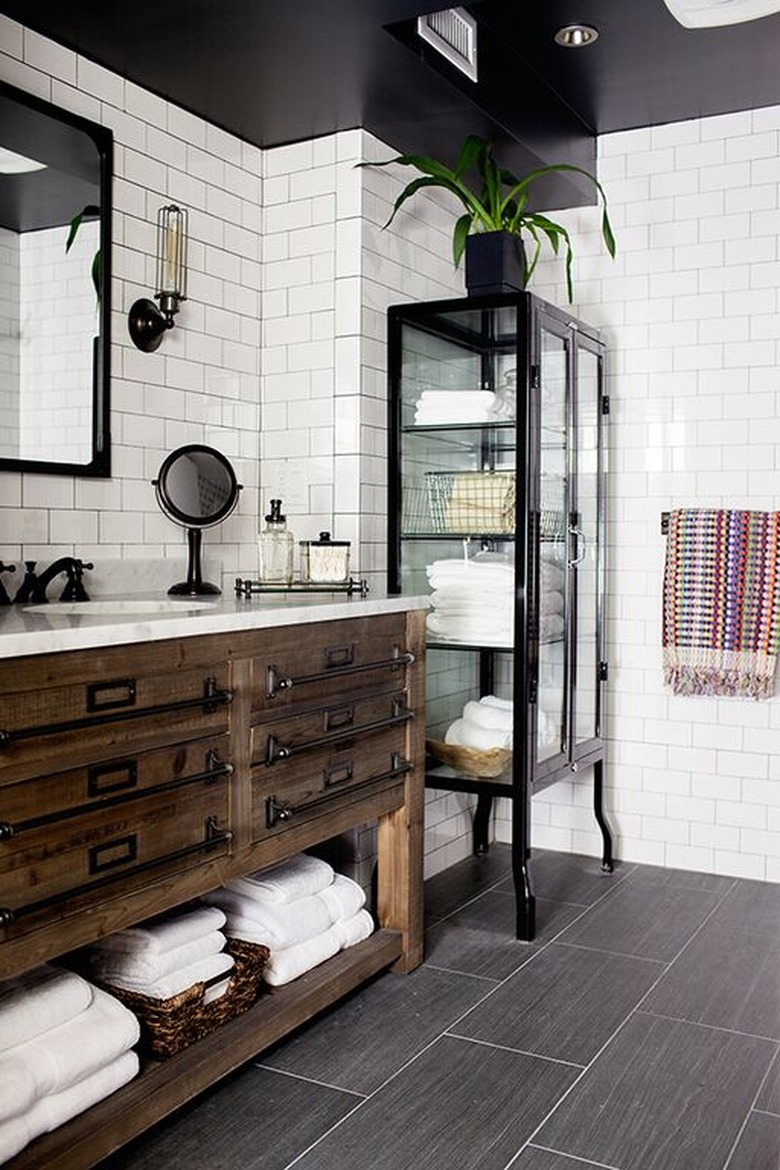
(165, 1085)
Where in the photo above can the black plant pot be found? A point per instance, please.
(495, 263)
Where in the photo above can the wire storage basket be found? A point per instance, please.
(474, 503)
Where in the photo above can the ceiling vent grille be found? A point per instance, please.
(453, 32)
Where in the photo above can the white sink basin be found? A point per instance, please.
(119, 608)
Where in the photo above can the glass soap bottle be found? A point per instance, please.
(276, 548)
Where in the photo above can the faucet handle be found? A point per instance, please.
(24, 592)
(74, 589)
(4, 598)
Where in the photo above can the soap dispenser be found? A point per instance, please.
(276, 548)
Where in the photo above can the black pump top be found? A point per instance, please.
(275, 515)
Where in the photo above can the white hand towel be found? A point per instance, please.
(165, 934)
(39, 1000)
(288, 964)
(79, 1047)
(344, 898)
(140, 968)
(354, 930)
(17, 1085)
(495, 701)
(15, 1134)
(468, 734)
(275, 926)
(177, 981)
(52, 1111)
(295, 878)
(485, 715)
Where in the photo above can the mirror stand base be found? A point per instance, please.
(194, 586)
(194, 589)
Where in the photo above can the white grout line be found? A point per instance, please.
(573, 1157)
(751, 1110)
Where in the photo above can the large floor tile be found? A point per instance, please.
(566, 1003)
(769, 1097)
(664, 1095)
(459, 1106)
(683, 878)
(362, 1041)
(725, 977)
(759, 1145)
(649, 920)
(534, 1158)
(257, 1120)
(752, 906)
(571, 877)
(448, 890)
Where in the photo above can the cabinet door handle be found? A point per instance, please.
(277, 680)
(276, 751)
(580, 549)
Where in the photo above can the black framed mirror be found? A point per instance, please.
(197, 488)
(55, 281)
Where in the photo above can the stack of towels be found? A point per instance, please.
(300, 909)
(551, 603)
(166, 955)
(64, 1046)
(484, 724)
(447, 406)
(473, 600)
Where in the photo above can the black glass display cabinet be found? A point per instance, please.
(497, 427)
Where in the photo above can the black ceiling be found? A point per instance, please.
(274, 72)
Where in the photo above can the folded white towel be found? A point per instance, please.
(354, 930)
(18, 1089)
(165, 934)
(297, 877)
(485, 715)
(468, 734)
(113, 966)
(74, 1050)
(39, 1000)
(52, 1111)
(278, 927)
(495, 701)
(216, 991)
(178, 981)
(288, 964)
(551, 601)
(344, 898)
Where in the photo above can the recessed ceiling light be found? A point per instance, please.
(12, 163)
(576, 36)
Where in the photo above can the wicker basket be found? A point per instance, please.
(168, 1025)
(485, 765)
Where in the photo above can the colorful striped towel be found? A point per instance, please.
(721, 604)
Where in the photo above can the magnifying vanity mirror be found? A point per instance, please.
(196, 487)
(55, 249)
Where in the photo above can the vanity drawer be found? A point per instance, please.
(88, 719)
(302, 736)
(82, 857)
(328, 659)
(34, 803)
(297, 790)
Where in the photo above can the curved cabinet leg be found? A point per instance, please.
(598, 809)
(482, 823)
(525, 900)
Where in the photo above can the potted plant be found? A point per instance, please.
(497, 202)
(91, 211)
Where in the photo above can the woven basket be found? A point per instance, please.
(485, 765)
(168, 1025)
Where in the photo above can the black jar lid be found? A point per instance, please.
(326, 541)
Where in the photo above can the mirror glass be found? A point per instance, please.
(55, 247)
(196, 487)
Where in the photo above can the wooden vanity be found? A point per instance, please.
(136, 776)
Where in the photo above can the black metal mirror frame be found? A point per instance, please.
(194, 584)
(100, 463)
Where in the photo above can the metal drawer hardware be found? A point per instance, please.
(107, 696)
(275, 812)
(212, 839)
(275, 751)
(277, 681)
(212, 698)
(214, 770)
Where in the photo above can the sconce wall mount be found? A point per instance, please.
(146, 322)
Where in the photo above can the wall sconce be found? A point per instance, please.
(145, 321)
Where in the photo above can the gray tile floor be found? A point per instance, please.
(639, 1031)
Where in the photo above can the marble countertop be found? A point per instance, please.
(117, 621)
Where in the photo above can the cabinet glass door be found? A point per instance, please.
(584, 545)
(552, 711)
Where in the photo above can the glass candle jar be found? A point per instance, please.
(324, 561)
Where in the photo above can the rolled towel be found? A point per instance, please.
(495, 701)
(485, 715)
(39, 1000)
(354, 930)
(550, 576)
(18, 1089)
(52, 1111)
(201, 972)
(297, 877)
(467, 734)
(344, 898)
(76, 1049)
(550, 626)
(551, 601)
(288, 964)
(113, 966)
(165, 934)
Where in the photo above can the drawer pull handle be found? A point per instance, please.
(338, 773)
(120, 774)
(338, 717)
(274, 812)
(215, 770)
(337, 657)
(277, 680)
(212, 697)
(276, 751)
(122, 851)
(107, 696)
(214, 836)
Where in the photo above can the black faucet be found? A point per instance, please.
(4, 598)
(74, 589)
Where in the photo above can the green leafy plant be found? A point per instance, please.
(496, 200)
(91, 211)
